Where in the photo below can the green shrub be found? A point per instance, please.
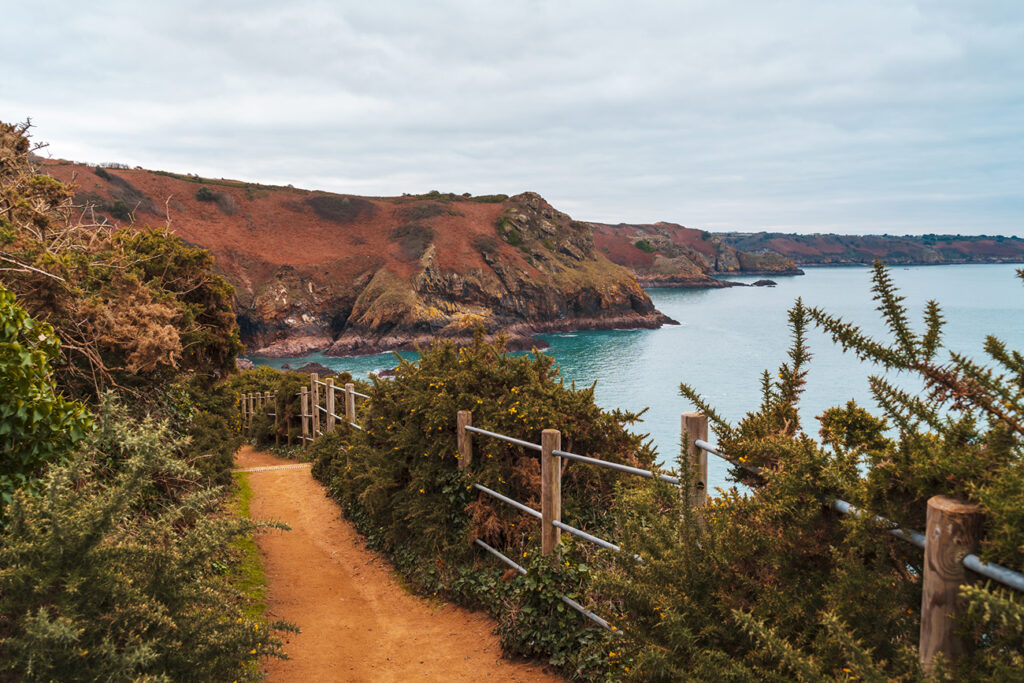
(644, 246)
(120, 570)
(37, 425)
(121, 211)
(205, 194)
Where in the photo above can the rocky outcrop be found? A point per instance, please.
(539, 271)
(670, 255)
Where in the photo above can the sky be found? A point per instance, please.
(859, 116)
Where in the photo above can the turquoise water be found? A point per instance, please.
(729, 336)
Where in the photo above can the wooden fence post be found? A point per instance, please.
(329, 396)
(464, 418)
(241, 405)
(694, 427)
(951, 533)
(550, 490)
(252, 411)
(314, 390)
(350, 403)
(306, 420)
(277, 422)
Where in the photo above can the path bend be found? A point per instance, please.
(358, 623)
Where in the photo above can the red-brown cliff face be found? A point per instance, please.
(315, 270)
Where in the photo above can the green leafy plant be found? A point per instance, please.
(644, 246)
(37, 425)
(119, 569)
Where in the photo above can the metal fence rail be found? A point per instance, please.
(505, 499)
(502, 437)
(584, 535)
(565, 598)
(996, 572)
(616, 466)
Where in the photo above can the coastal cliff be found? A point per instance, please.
(852, 250)
(353, 275)
(671, 255)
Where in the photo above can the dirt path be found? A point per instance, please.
(358, 623)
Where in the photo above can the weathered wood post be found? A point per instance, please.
(329, 396)
(694, 427)
(277, 422)
(252, 411)
(306, 420)
(550, 490)
(951, 533)
(463, 419)
(314, 390)
(350, 403)
(241, 405)
(288, 420)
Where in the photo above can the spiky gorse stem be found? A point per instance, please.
(773, 582)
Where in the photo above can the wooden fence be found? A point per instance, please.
(949, 541)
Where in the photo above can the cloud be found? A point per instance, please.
(742, 115)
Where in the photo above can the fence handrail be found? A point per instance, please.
(649, 474)
(503, 437)
(991, 570)
(584, 535)
(505, 499)
(708, 448)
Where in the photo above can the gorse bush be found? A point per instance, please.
(133, 308)
(773, 585)
(118, 570)
(399, 482)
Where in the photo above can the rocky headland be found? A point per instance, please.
(671, 255)
(348, 275)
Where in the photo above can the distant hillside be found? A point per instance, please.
(315, 270)
(670, 255)
(828, 249)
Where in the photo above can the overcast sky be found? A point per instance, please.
(854, 116)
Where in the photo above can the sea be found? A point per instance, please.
(728, 337)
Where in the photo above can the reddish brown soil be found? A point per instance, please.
(277, 226)
(358, 623)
